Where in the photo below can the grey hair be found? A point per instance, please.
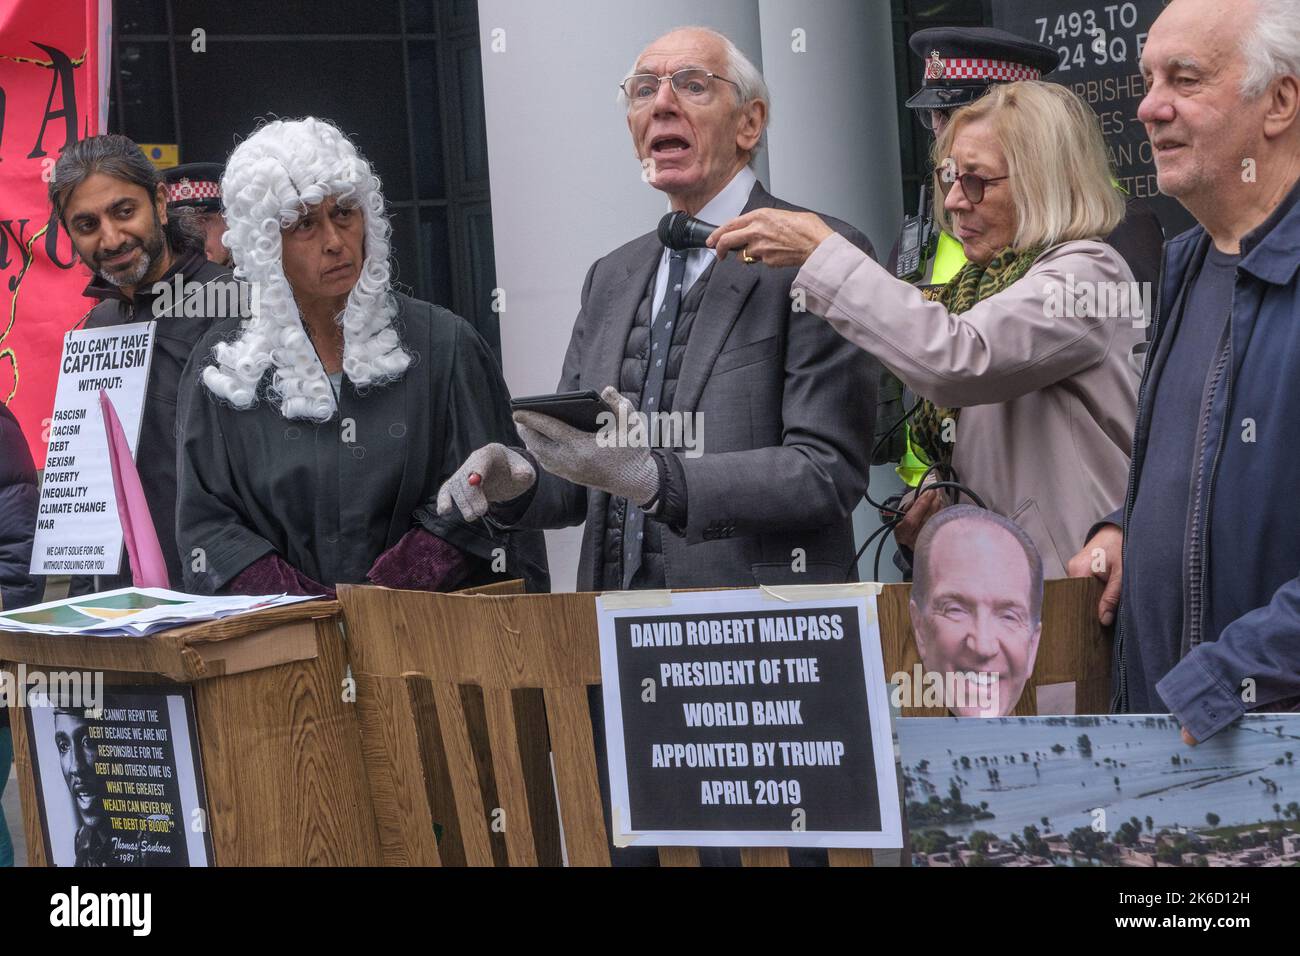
(1271, 47)
(749, 81)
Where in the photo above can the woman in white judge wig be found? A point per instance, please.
(315, 434)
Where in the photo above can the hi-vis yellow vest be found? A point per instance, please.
(948, 261)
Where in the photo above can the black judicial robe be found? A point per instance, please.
(331, 497)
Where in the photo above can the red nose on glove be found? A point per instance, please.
(475, 479)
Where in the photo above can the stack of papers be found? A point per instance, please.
(134, 612)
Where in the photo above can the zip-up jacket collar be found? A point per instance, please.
(184, 263)
(1269, 251)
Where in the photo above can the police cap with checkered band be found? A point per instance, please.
(196, 185)
(961, 63)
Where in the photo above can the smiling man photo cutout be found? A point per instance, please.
(976, 608)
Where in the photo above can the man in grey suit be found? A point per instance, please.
(783, 405)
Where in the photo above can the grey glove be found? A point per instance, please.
(504, 474)
(603, 460)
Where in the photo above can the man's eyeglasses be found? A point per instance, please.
(972, 184)
(693, 84)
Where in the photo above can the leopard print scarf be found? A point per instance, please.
(974, 283)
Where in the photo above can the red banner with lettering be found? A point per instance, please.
(54, 60)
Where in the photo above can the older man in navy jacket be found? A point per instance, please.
(1203, 557)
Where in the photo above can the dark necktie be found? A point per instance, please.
(661, 337)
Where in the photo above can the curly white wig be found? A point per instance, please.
(270, 180)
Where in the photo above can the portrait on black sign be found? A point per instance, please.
(119, 786)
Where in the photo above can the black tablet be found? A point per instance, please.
(579, 409)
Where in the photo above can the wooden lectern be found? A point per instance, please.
(280, 747)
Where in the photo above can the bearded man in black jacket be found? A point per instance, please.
(113, 203)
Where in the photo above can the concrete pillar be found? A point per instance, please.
(834, 142)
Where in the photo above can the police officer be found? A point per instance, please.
(197, 186)
(961, 63)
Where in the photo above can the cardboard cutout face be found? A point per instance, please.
(975, 613)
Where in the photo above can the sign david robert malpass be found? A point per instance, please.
(735, 718)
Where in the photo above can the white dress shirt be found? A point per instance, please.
(725, 206)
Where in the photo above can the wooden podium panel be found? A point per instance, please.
(475, 722)
(489, 691)
(280, 746)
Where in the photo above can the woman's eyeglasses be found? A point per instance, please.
(973, 185)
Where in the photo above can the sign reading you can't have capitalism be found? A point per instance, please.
(77, 526)
(734, 718)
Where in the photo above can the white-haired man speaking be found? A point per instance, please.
(785, 404)
(316, 434)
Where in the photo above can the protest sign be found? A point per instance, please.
(1099, 46)
(735, 719)
(1113, 790)
(120, 785)
(77, 525)
(54, 82)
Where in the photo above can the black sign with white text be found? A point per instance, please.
(748, 720)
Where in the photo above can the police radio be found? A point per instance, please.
(917, 242)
